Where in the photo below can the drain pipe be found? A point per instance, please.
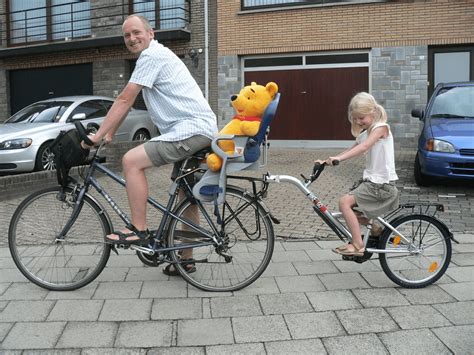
(206, 50)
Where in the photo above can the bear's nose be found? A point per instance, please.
(233, 97)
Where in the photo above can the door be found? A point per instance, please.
(31, 85)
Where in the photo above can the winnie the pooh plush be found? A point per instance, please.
(249, 104)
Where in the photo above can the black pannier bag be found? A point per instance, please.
(67, 152)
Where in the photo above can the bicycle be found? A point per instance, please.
(414, 247)
(56, 235)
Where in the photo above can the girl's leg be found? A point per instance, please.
(346, 205)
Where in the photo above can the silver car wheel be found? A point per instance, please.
(47, 160)
(141, 135)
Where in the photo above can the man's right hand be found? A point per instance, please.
(93, 138)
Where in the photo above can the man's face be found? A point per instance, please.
(136, 37)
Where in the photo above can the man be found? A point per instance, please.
(175, 104)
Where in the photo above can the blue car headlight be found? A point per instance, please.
(19, 143)
(436, 145)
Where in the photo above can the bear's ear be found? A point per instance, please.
(272, 88)
(253, 83)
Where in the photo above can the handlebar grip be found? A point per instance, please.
(82, 133)
(335, 162)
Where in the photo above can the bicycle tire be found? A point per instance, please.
(58, 265)
(427, 256)
(249, 242)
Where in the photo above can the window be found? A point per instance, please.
(171, 14)
(41, 20)
(92, 109)
(40, 112)
(260, 4)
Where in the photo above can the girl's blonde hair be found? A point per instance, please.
(363, 104)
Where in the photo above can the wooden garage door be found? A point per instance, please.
(313, 104)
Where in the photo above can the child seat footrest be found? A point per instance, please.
(210, 190)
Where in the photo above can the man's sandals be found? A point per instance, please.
(188, 264)
(130, 238)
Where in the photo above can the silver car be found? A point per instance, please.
(25, 136)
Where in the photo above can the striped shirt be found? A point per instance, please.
(173, 98)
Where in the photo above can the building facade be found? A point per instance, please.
(52, 48)
(321, 52)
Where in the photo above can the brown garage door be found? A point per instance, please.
(313, 104)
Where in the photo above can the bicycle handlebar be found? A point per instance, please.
(318, 169)
(82, 133)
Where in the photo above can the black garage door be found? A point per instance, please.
(31, 85)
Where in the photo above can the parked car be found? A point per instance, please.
(25, 136)
(446, 143)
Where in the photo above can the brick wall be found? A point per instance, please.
(350, 26)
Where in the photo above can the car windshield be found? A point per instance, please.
(456, 102)
(40, 112)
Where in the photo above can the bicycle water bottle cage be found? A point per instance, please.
(212, 185)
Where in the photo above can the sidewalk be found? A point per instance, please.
(307, 301)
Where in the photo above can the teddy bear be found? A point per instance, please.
(249, 104)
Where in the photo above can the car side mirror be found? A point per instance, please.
(418, 113)
(79, 117)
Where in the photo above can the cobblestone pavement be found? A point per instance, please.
(307, 301)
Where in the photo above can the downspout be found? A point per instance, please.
(206, 50)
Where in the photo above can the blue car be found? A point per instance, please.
(446, 143)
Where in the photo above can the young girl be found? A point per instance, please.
(375, 193)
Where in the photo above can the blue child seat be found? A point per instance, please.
(212, 185)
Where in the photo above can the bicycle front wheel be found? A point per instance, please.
(245, 246)
(59, 264)
(422, 258)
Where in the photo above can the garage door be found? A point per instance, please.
(315, 93)
(31, 85)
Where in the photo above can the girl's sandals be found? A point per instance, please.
(349, 250)
(188, 265)
(129, 238)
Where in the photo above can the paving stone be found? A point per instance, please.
(113, 351)
(144, 334)
(76, 310)
(333, 300)
(4, 286)
(349, 266)
(256, 348)
(280, 269)
(164, 289)
(146, 274)
(85, 292)
(285, 303)
(313, 325)
(300, 245)
(300, 347)
(428, 295)
(410, 317)
(383, 297)
(205, 332)
(110, 274)
(12, 275)
(463, 291)
(263, 285)
(195, 292)
(289, 256)
(33, 335)
(4, 329)
(177, 308)
(25, 311)
(7, 263)
(344, 281)
(315, 267)
(259, 328)
(117, 290)
(23, 291)
(124, 260)
(459, 313)
(461, 274)
(416, 341)
(458, 339)
(237, 306)
(358, 344)
(466, 259)
(377, 279)
(179, 350)
(126, 310)
(356, 321)
(318, 255)
(306, 283)
(88, 334)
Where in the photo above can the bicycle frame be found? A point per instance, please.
(330, 218)
(168, 215)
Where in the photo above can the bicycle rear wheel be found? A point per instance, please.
(247, 243)
(58, 264)
(422, 260)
